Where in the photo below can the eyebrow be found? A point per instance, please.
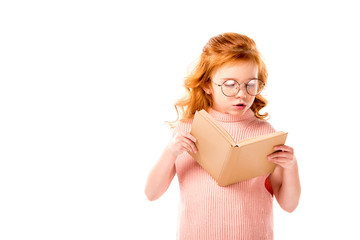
(236, 79)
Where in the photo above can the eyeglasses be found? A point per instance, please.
(230, 88)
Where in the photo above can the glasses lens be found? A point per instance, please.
(230, 88)
(254, 87)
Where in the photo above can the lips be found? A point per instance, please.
(240, 105)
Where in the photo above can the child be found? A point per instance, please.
(227, 83)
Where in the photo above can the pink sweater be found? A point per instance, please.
(239, 211)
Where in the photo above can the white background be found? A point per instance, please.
(87, 85)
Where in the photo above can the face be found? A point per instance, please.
(242, 72)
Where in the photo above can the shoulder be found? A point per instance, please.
(262, 126)
(183, 125)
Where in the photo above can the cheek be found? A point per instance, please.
(219, 99)
(251, 100)
(222, 98)
(217, 95)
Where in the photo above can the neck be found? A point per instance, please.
(225, 117)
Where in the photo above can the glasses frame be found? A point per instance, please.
(246, 84)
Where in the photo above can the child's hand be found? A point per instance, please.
(182, 141)
(284, 156)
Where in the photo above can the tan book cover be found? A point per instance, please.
(225, 160)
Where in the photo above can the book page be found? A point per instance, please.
(260, 138)
(213, 147)
(215, 123)
(249, 160)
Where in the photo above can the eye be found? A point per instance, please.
(230, 83)
(252, 83)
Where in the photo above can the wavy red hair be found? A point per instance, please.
(222, 49)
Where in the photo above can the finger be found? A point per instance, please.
(183, 147)
(180, 140)
(191, 149)
(279, 160)
(284, 148)
(281, 154)
(189, 136)
(189, 145)
(186, 147)
(283, 163)
(273, 159)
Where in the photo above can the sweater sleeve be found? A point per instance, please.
(183, 126)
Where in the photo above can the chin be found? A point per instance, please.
(238, 112)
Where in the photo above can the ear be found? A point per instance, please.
(207, 89)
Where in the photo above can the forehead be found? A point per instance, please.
(240, 70)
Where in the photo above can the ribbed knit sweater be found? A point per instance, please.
(238, 211)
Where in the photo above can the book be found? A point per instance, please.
(225, 160)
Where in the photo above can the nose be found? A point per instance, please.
(241, 93)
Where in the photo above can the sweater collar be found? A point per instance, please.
(225, 117)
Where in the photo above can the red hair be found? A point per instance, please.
(220, 50)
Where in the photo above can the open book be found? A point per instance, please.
(225, 160)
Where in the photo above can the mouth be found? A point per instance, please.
(240, 105)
